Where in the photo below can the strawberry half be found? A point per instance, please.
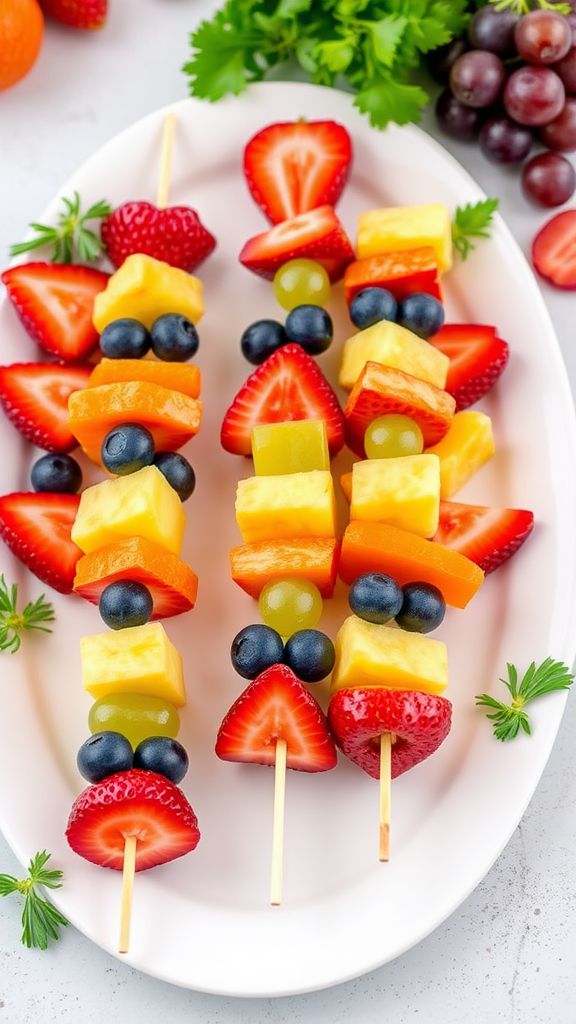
(289, 385)
(419, 721)
(294, 166)
(132, 803)
(554, 250)
(276, 706)
(35, 398)
(477, 358)
(487, 536)
(55, 302)
(175, 234)
(317, 235)
(85, 14)
(37, 529)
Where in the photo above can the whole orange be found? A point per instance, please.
(21, 31)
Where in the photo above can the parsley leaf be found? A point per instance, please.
(472, 221)
(387, 100)
(40, 919)
(508, 719)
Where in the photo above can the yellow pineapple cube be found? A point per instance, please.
(392, 345)
(368, 655)
(142, 504)
(468, 444)
(144, 288)
(137, 660)
(397, 228)
(403, 492)
(297, 446)
(284, 507)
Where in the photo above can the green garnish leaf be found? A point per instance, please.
(470, 222)
(40, 919)
(12, 622)
(71, 240)
(509, 719)
(525, 6)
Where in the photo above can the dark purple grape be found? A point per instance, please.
(560, 134)
(534, 96)
(566, 69)
(543, 37)
(493, 30)
(504, 141)
(477, 78)
(441, 60)
(455, 119)
(549, 179)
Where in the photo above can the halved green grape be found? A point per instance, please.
(301, 283)
(289, 605)
(392, 436)
(136, 716)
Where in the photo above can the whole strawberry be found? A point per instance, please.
(175, 234)
(86, 14)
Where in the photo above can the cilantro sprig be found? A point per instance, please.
(13, 623)
(470, 222)
(71, 240)
(509, 719)
(41, 922)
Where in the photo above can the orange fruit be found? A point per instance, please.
(21, 31)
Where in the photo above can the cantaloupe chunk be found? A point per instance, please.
(392, 345)
(314, 559)
(403, 492)
(282, 507)
(468, 444)
(397, 228)
(184, 377)
(369, 655)
(137, 660)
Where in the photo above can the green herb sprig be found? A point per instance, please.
(41, 922)
(509, 719)
(71, 240)
(470, 222)
(13, 623)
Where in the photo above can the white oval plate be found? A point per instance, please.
(203, 921)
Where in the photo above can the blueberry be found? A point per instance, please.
(311, 327)
(261, 339)
(254, 649)
(371, 305)
(178, 472)
(125, 339)
(59, 474)
(127, 448)
(174, 338)
(422, 609)
(422, 314)
(310, 654)
(164, 755)
(375, 597)
(103, 754)
(125, 603)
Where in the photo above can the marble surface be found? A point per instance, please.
(509, 953)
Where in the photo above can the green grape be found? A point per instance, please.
(301, 282)
(391, 436)
(136, 716)
(289, 605)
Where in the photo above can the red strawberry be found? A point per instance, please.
(295, 166)
(88, 14)
(554, 250)
(477, 358)
(419, 721)
(37, 529)
(276, 706)
(35, 397)
(488, 536)
(175, 235)
(132, 803)
(55, 302)
(289, 385)
(317, 235)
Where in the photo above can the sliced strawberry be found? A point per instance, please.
(132, 803)
(477, 358)
(55, 302)
(295, 166)
(487, 536)
(419, 721)
(289, 385)
(554, 250)
(37, 529)
(276, 706)
(35, 397)
(317, 235)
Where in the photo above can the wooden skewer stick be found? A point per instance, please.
(277, 871)
(385, 795)
(127, 890)
(166, 161)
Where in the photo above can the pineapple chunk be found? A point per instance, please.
(468, 444)
(403, 492)
(297, 446)
(139, 505)
(368, 655)
(284, 507)
(137, 660)
(398, 228)
(392, 345)
(144, 288)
